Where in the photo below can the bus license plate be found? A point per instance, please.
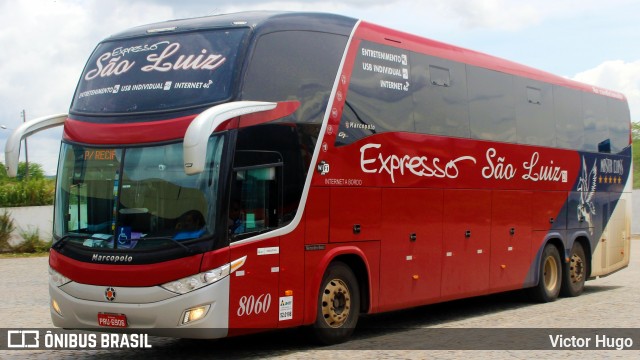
(112, 320)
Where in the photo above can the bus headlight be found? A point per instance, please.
(57, 279)
(194, 282)
(56, 307)
(194, 314)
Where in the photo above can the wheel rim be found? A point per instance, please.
(576, 270)
(550, 273)
(336, 303)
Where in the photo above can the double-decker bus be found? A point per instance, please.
(235, 173)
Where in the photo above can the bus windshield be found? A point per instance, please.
(159, 73)
(135, 198)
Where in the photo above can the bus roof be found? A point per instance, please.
(258, 20)
(439, 49)
(268, 21)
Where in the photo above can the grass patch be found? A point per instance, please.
(6, 228)
(32, 243)
(22, 255)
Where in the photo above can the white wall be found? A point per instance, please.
(29, 218)
(635, 219)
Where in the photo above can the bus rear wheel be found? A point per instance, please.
(550, 279)
(338, 305)
(575, 272)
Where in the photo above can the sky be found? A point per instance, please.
(45, 43)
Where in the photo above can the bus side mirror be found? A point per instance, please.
(12, 147)
(215, 119)
(201, 128)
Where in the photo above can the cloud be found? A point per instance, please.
(617, 75)
(493, 14)
(45, 46)
(512, 15)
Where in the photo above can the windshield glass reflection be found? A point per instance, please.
(134, 198)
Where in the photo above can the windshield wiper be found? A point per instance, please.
(188, 249)
(63, 240)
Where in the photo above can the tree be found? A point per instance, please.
(35, 171)
(635, 130)
(3, 171)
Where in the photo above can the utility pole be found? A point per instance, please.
(26, 150)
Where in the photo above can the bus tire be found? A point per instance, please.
(575, 272)
(338, 305)
(550, 279)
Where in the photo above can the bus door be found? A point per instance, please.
(255, 208)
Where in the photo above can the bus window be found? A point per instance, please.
(159, 73)
(534, 113)
(256, 207)
(567, 105)
(379, 98)
(440, 97)
(596, 127)
(491, 108)
(135, 195)
(86, 181)
(255, 203)
(299, 65)
(618, 113)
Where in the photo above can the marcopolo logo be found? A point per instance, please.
(110, 294)
(112, 258)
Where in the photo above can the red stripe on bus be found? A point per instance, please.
(126, 133)
(124, 275)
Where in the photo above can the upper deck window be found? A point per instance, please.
(159, 73)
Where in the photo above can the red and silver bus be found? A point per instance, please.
(235, 173)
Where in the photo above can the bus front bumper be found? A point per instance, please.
(151, 310)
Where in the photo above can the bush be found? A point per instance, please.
(36, 190)
(32, 242)
(6, 228)
(27, 193)
(35, 171)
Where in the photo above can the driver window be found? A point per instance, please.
(254, 205)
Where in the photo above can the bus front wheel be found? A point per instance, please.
(550, 276)
(575, 272)
(338, 305)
